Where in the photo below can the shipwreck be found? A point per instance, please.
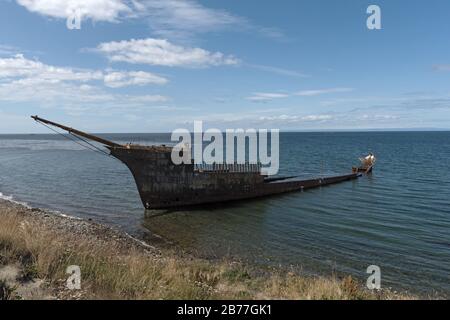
(162, 184)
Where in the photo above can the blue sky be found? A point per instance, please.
(149, 65)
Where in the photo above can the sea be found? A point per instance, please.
(397, 218)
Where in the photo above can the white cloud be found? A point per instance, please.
(279, 71)
(163, 15)
(265, 96)
(118, 79)
(180, 19)
(183, 19)
(297, 118)
(163, 53)
(70, 96)
(294, 121)
(25, 80)
(173, 19)
(7, 50)
(310, 93)
(97, 10)
(442, 67)
(19, 67)
(378, 117)
(148, 98)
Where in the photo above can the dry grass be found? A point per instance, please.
(111, 272)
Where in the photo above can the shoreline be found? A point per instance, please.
(61, 224)
(36, 247)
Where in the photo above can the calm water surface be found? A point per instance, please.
(398, 218)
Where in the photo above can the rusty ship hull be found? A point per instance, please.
(162, 185)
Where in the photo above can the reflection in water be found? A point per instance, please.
(210, 231)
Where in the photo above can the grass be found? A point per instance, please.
(6, 291)
(110, 271)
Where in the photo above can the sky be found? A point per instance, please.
(154, 66)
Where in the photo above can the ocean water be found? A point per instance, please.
(397, 218)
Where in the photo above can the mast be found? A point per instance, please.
(79, 133)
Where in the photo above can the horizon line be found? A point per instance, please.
(281, 131)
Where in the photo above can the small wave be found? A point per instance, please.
(26, 205)
(143, 243)
(11, 199)
(63, 215)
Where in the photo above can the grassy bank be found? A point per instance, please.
(40, 246)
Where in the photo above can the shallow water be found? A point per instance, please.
(398, 218)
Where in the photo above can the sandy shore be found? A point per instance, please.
(37, 246)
